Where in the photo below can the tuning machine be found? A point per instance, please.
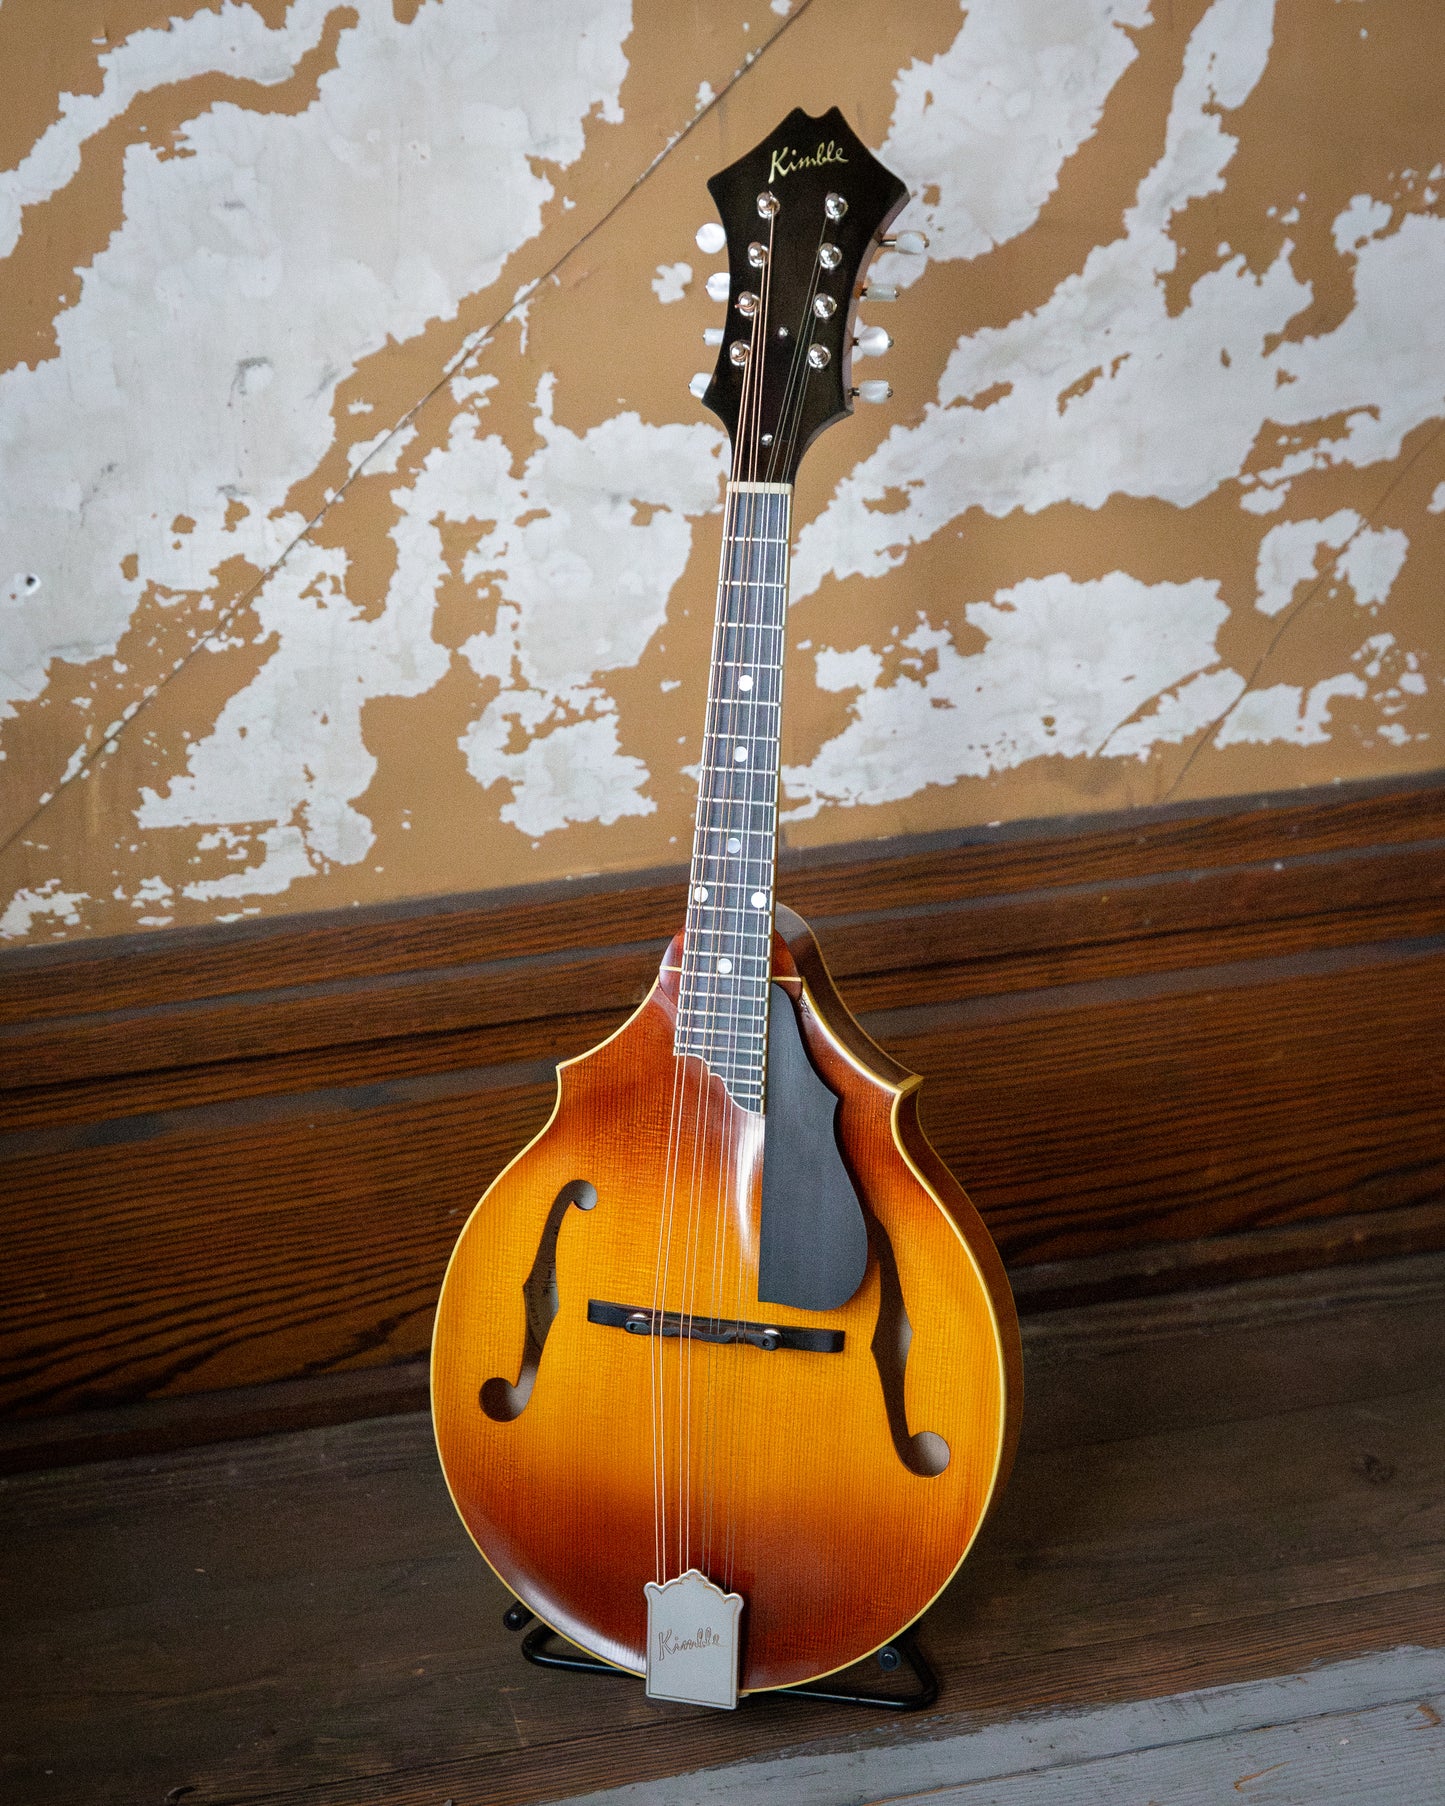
(711, 238)
(872, 391)
(699, 384)
(718, 286)
(911, 244)
(871, 341)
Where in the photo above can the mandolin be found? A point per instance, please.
(726, 1369)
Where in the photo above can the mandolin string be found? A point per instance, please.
(720, 799)
(708, 798)
(798, 371)
(682, 1065)
(784, 442)
(740, 1152)
(657, 1346)
(789, 422)
(686, 1019)
(805, 333)
(742, 583)
(701, 1013)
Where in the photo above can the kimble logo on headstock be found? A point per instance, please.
(786, 160)
(802, 214)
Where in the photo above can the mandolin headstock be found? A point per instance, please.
(802, 213)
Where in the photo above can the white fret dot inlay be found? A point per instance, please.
(760, 900)
(725, 965)
(701, 893)
(745, 683)
(740, 753)
(735, 846)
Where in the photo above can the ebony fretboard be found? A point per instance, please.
(727, 946)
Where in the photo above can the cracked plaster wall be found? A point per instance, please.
(358, 533)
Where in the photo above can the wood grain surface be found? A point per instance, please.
(1212, 1488)
(236, 1157)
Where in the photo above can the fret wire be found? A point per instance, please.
(723, 1016)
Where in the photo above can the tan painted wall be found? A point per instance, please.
(359, 532)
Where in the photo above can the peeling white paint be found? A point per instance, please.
(990, 121)
(1094, 387)
(236, 263)
(1110, 324)
(1296, 715)
(1364, 218)
(232, 40)
(1288, 556)
(670, 282)
(383, 453)
(286, 757)
(1287, 712)
(283, 860)
(1107, 667)
(1085, 399)
(1372, 561)
(26, 907)
(859, 669)
(583, 588)
(1436, 504)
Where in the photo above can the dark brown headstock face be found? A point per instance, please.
(803, 214)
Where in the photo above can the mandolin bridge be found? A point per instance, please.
(687, 1327)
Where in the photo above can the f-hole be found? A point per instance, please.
(924, 1453)
(502, 1401)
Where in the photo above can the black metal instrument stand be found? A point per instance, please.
(545, 1649)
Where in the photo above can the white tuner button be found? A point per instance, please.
(872, 341)
(699, 383)
(718, 286)
(712, 335)
(880, 291)
(711, 238)
(873, 391)
(911, 244)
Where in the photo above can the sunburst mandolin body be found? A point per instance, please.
(809, 1481)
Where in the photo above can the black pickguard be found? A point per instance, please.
(813, 1245)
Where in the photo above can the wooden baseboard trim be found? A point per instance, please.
(1178, 1044)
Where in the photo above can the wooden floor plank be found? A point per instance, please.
(1211, 1488)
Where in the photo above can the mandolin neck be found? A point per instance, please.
(727, 942)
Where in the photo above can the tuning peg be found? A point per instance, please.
(872, 341)
(712, 335)
(718, 286)
(872, 391)
(879, 291)
(699, 383)
(911, 244)
(711, 238)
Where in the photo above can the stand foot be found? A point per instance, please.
(902, 1651)
(545, 1649)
